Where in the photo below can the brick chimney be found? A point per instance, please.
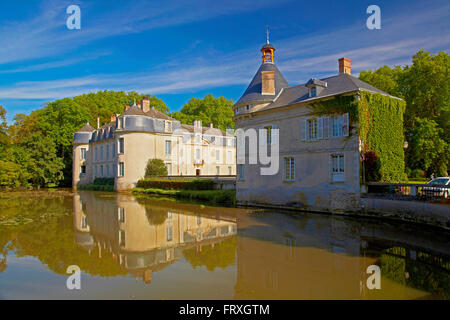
(211, 125)
(145, 104)
(113, 117)
(198, 123)
(126, 108)
(345, 66)
(268, 82)
(98, 123)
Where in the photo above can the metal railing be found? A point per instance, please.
(412, 190)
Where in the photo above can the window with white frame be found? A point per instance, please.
(101, 153)
(313, 92)
(241, 173)
(217, 170)
(312, 129)
(83, 153)
(337, 167)
(198, 155)
(289, 169)
(120, 123)
(338, 123)
(229, 171)
(168, 149)
(169, 168)
(101, 171)
(121, 169)
(113, 148)
(107, 170)
(121, 145)
(229, 156)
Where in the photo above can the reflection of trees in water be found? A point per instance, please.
(5, 247)
(50, 237)
(155, 216)
(425, 272)
(212, 256)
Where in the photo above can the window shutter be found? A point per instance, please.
(345, 128)
(320, 128)
(326, 123)
(303, 130)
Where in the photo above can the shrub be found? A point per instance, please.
(155, 167)
(372, 166)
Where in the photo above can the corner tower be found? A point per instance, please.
(264, 87)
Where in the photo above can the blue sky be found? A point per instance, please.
(181, 49)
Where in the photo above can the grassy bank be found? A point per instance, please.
(211, 196)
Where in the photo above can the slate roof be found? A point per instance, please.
(338, 84)
(86, 128)
(211, 131)
(253, 91)
(158, 115)
(134, 111)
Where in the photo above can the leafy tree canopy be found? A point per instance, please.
(424, 85)
(209, 110)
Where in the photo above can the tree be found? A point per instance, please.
(155, 167)
(384, 78)
(430, 152)
(218, 111)
(424, 85)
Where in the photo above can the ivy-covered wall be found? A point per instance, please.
(380, 125)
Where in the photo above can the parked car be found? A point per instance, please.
(434, 187)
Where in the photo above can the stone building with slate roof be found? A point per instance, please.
(121, 148)
(319, 155)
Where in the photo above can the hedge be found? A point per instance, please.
(176, 184)
(212, 196)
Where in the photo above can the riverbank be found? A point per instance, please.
(227, 197)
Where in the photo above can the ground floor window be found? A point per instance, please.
(217, 171)
(83, 170)
(229, 171)
(337, 164)
(121, 169)
(289, 169)
(169, 168)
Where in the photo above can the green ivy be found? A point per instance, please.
(380, 125)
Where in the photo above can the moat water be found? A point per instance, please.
(154, 248)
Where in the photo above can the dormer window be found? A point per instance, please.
(168, 126)
(315, 87)
(120, 123)
(248, 107)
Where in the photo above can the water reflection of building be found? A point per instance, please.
(142, 236)
(323, 257)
